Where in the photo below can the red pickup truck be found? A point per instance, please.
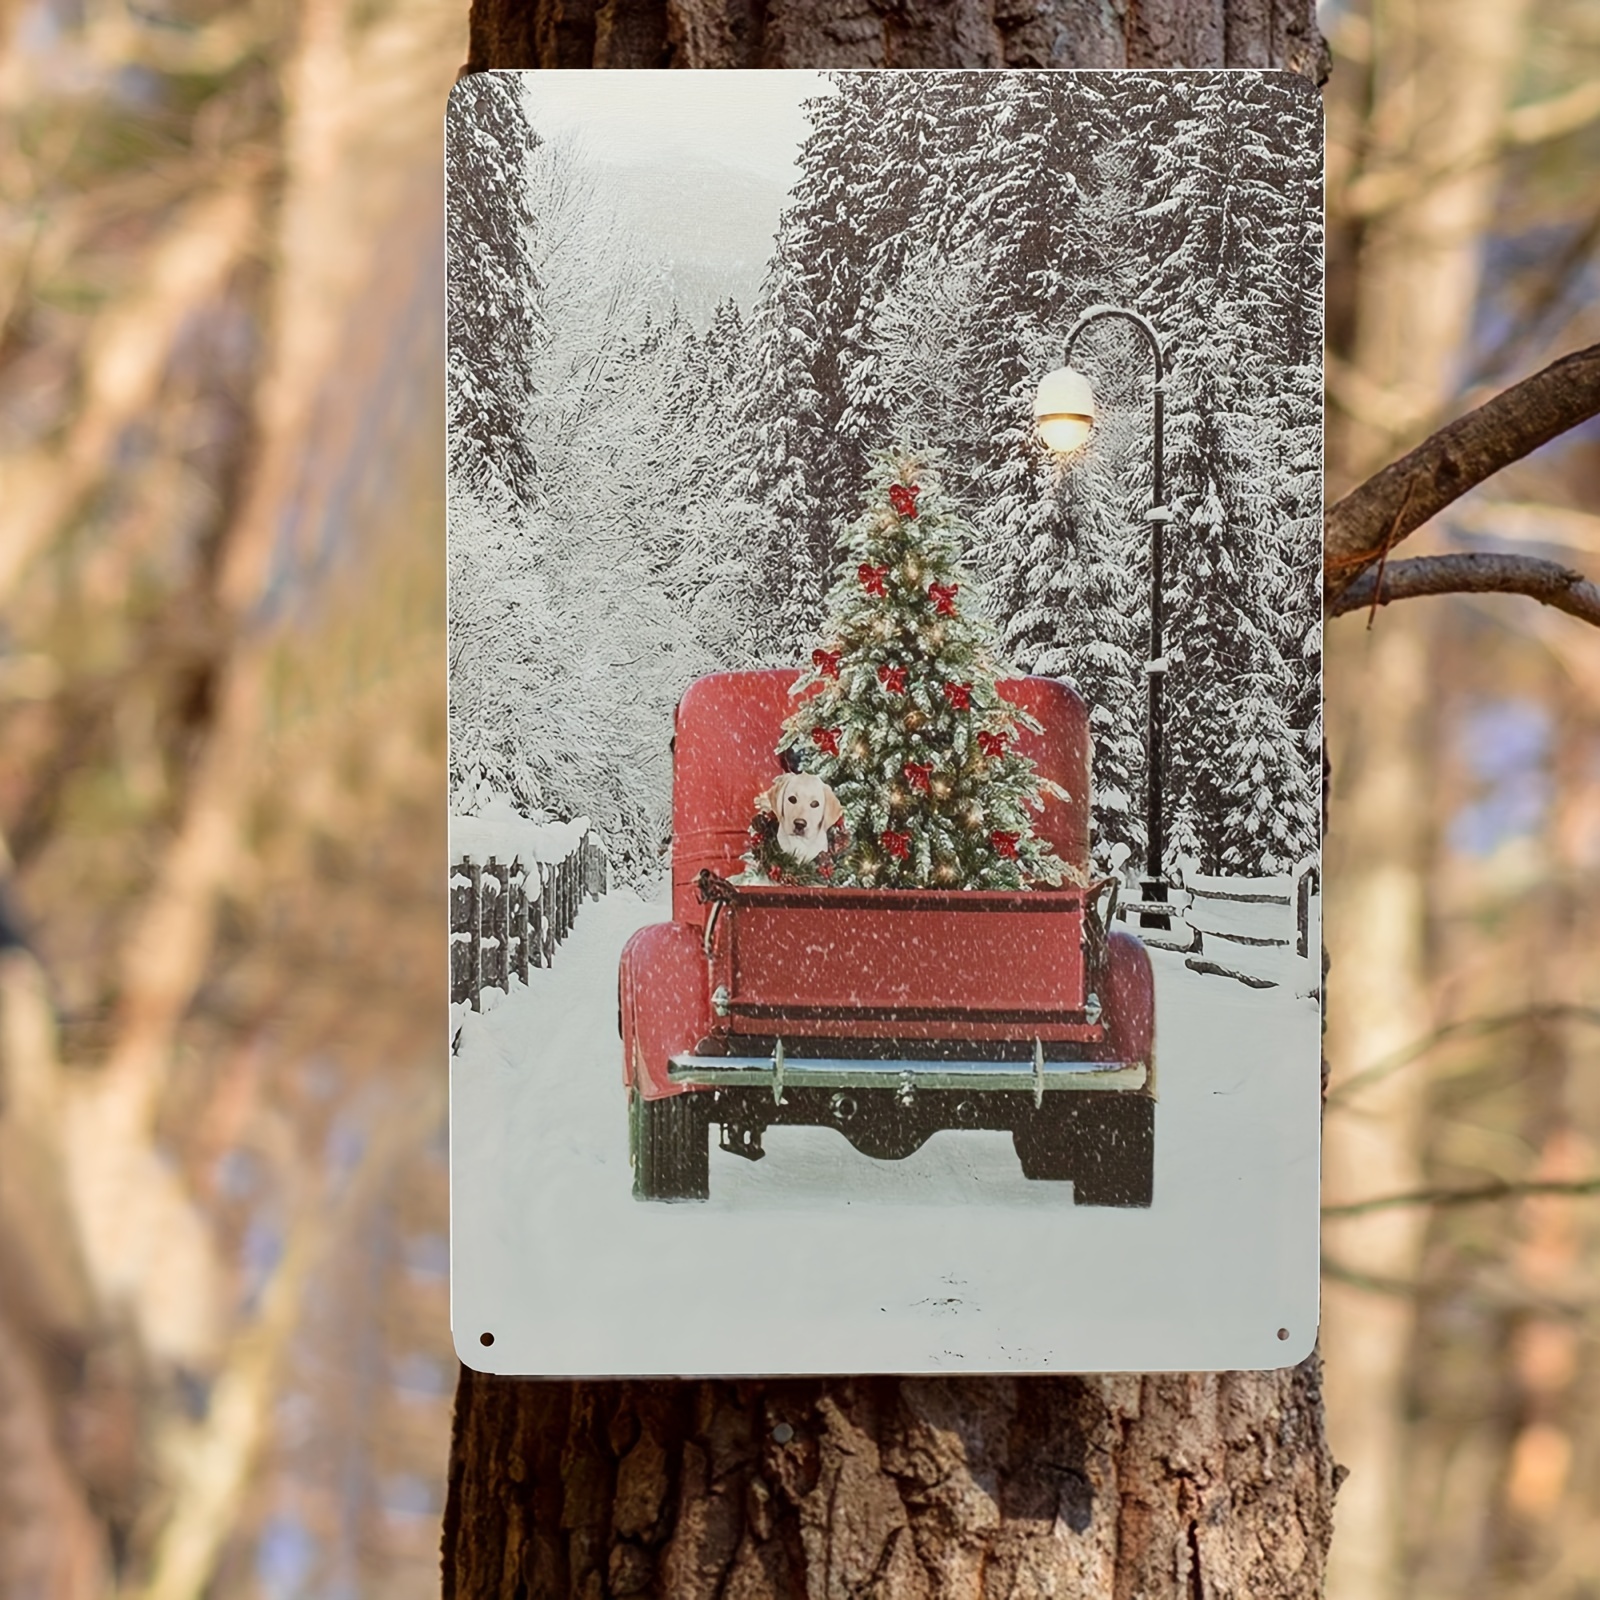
(888, 1014)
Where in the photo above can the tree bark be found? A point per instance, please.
(898, 1488)
(895, 33)
(1490, 572)
(1173, 1487)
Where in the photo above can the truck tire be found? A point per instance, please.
(1103, 1142)
(671, 1158)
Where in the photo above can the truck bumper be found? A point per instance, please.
(904, 1078)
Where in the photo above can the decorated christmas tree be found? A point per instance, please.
(900, 714)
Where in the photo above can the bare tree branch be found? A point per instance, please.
(1501, 1189)
(1466, 1027)
(1502, 1296)
(1373, 1283)
(1455, 459)
(1548, 582)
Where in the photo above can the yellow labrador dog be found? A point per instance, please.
(805, 808)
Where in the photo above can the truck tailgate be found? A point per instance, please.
(908, 964)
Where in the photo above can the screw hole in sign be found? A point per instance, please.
(783, 1433)
(488, 1338)
(1283, 1333)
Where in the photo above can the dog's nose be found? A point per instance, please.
(799, 824)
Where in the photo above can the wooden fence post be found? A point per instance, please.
(519, 918)
(475, 949)
(494, 927)
(1307, 883)
(463, 932)
(547, 908)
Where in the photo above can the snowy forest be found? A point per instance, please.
(637, 498)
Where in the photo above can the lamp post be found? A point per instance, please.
(1064, 413)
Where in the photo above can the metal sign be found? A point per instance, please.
(885, 530)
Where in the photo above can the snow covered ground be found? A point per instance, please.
(819, 1259)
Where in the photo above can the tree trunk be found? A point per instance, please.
(1176, 1487)
(1440, 80)
(897, 1488)
(896, 33)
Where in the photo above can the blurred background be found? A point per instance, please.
(225, 1366)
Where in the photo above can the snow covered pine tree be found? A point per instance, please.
(901, 713)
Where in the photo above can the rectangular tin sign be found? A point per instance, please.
(885, 550)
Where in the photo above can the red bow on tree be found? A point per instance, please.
(872, 577)
(826, 740)
(992, 744)
(959, 695)
(893, 679)
(943, 596)
(917, 774)
(897, 844)
(826, 662)
(1005, 844)
(904, 499)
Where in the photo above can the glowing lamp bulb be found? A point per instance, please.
(1063, 410)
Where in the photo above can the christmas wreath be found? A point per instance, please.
(766, 861)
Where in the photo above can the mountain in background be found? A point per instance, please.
(712, 225)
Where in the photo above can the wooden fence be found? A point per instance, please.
(506, 918)
(1262, 931)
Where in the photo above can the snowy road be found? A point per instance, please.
(820, 1259)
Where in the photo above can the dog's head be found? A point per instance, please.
(805, 808)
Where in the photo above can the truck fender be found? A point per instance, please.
(1129, 1000)
(666, 1005)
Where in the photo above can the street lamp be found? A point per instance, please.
(1064, 413)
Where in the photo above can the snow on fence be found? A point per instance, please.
(1261, 931)
(506, 917)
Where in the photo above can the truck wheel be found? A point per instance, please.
(1046, 1142)
(1104, 1143)
(671, 1160)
